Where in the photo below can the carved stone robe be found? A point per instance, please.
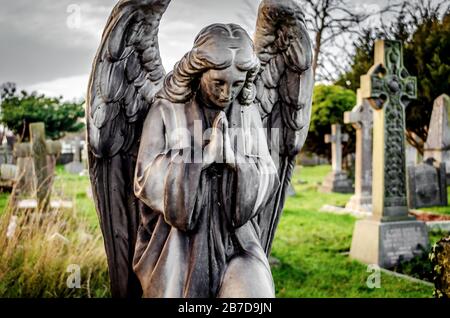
(201, 238)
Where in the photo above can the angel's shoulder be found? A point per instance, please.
(160, 104)
(160, 107)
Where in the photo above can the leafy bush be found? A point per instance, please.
(19, 110)
(329, 104)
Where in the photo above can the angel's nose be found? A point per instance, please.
(226, 92)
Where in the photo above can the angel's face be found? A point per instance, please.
(221, 87)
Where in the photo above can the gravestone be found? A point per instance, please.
(390, 234)
(36, 169)
(427, 185)
(6, 155)
(437, 145)
(307, 159)
(337, 180)
(44, 167)
(25, 183)
(411, 155)
(67, 153)
(8, 174)
(76, 166)
(361, 117)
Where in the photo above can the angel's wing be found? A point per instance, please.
(284, 90)
(126, 74)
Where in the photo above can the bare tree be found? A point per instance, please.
(333, 24)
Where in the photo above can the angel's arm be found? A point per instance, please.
(257, 178)
(164, 180)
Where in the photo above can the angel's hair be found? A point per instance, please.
(217, 46)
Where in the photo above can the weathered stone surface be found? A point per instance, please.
(22, 150)
(76, 166)
(411, 156)
(386, 243)
(205, 202)
(361, 117)
(390, 234)
(43, 155)
(41, 168)
(26, 184)
(6, 155)
(437, 145)
(8, 172)
(427, 185)
(337, 180)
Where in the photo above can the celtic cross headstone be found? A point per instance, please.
(390, 234)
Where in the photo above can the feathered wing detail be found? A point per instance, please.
(127, 73)
(284, 94)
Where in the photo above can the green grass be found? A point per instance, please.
(312, 247)
(75, 188)
(34, 262)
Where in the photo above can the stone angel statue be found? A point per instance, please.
(189, 170)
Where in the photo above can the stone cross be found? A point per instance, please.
(361, 117)
(25, 183)
(336, 138)
(44, 160)
(389, 234)
(389, 88)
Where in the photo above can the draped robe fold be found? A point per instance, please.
(201, 238)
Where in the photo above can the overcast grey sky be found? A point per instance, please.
(49, 45)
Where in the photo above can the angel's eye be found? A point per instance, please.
(219, 83)
(236, 84)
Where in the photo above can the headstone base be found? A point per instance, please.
(30, 204)
(337, 182)
(360, 203)
(387, 243)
